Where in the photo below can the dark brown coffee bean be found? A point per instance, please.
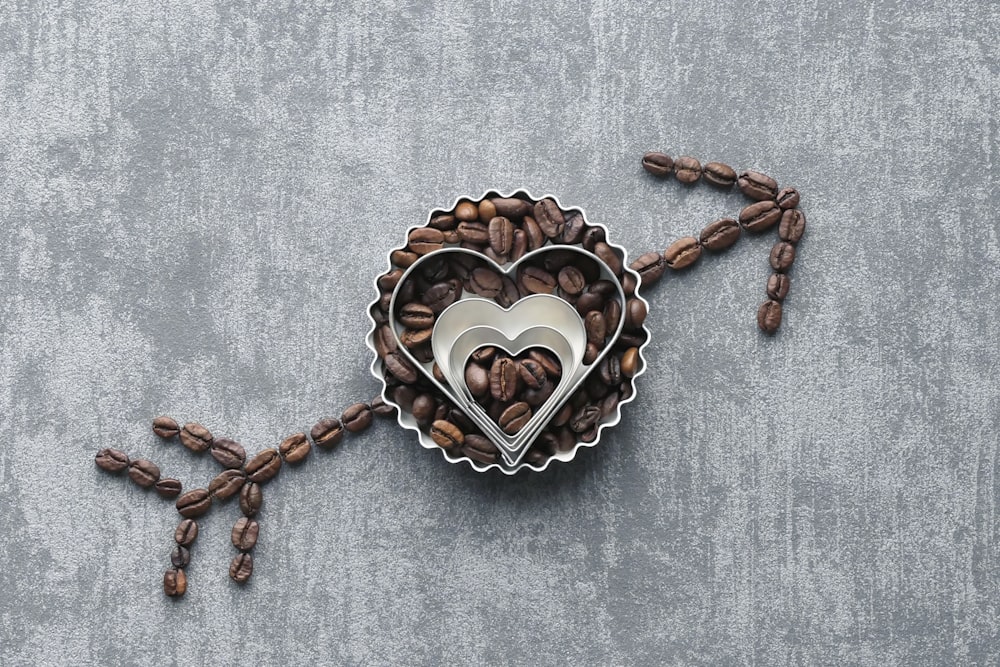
(592, 237)
(608, 255)
(660, 165)
(514, 418)
(501, 233)
(591, 353)
(760, 216)
(382, 409)
(400, 367)
(536, 280)
(475, 233)
(687, 169)
(423, 353)
(264, 466)
(584, 418)
(385, 341)
(111, 460)
(720, 235)
(387, 281)
(228, 453)
(609, 404)
(571, 280)
(605, 288)
(793, 226)
(549, 218)
(144, 473)
(552, 367)
(241, 567)
(757, 186)
(573, 229)
(782, 256)
(403, 258)
(186, 532)
(596, 327)
(446, 434)
(504, 376)
(612, 315)
(477, 379)
(440, 296)
(629, 283)
(227, 484)
(511, 207)
(769, 316)
(168, 487)
(536, 237)
(443, 221)
(487, 210)
(412, 339)
(630, 362)
(479, 448)
(424, 240)
(682, 253)
(650, 267)
(357, 417)
(244, 534)
(196, 437)
(777, 286)
(520, 246)
(719, 174)
(251, 498)
(788, 198)
(165, 427)
(589, 301)
(466, 210)
(194, 503)
(424, 408)
(180, 557)
(635, 313)
(532, 373)
(327, 433)
(610, 370)
(174, 583)
(485, 282)
(416, 316)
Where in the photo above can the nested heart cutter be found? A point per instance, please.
(508, 332)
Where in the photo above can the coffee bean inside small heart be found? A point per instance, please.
(510, 388)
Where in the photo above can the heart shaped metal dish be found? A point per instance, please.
(532, 321)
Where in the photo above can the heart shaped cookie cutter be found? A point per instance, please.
(534, 321)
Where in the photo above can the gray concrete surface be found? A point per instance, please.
(195, 196)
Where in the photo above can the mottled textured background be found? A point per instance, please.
(195, 197)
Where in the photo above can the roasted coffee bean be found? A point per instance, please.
(514, 418)
(591, 353)
(174, 583)
(327, 433)
(682, 253)
(403, 258)
(245, 533)
(400, 367)
(424, 240)
(466, 210)
(485, 282)
(186, 532)
(424, 408)
(264, 466)
(721, 234)
(532, 374)
(385, 341)
(241, 567)
(475, 233)
(610, 370)
(511, 207)
(635, 313)
(609, 257)
(609, 404)
(556, 259)
(549, 217)
(477, 379)
(382, 409)
(650, 267)
(443, 221)
(592, 237)
(111, 460)
(251, 498)
(388, 281)
(536, 237)
(719, 175)
(440, 296)
(584, 418)
(446, 434)
(782, 256)
(658, 164)
(612, 315)
(416, 316)
(605, 288)
(479, 448)
(144, 472)
(769, 316)
(793, 226)
(596, 327)
(227, 484)
(760, 216)
(573, 229)
(403, 395)
(357, 417)
(536, 397)
(411, 339)
(687, 169)
(165, 427)
(487, 210)
(461, 420)
(571, 280)
(777, 286)
(504, 376)
(168, 487)
(180, 557)
(501, 233)
(509, 294)
(788, 198)
(631, 338)
(423, 353)
(228, 453)
(548, 362)
(595, 387)
(629, 283)
(194, 503)
(196, 437)
(757, 186)
(536, 280)
(589, 301)
(630, 362)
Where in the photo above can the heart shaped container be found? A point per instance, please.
(509, 463)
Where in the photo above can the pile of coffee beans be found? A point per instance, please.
(500, 231)
(772, 206)
(241, 476)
